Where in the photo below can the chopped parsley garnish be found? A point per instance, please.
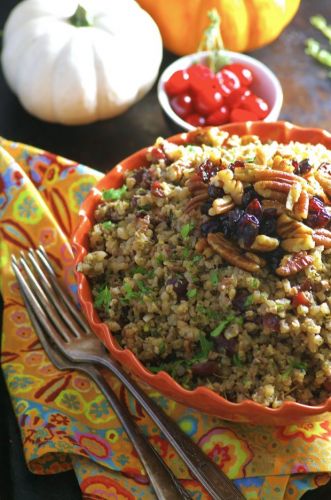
(207, 312)
(192, 293)
(186, 252)
(143, 271)
(249, 301)
(222, 325)
(196, 259)
(237, 361)
(250, 160)
(255, 283)
(103, 298)
(214, 277)
(108, 224)
(114, 194)
(130, 294)
(160, 258)
(186, 229)
(300, 366)
(142, 287)
(205, 346)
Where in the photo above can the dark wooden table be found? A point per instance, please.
(307, 101)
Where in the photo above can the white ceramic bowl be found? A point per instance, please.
(265, 84)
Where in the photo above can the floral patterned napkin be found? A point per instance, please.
(63, 419)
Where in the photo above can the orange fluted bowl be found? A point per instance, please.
(202, 399)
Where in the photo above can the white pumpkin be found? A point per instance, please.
(77, 62)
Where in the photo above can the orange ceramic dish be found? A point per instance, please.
(202, 399)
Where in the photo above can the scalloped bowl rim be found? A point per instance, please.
(185, 61)
(201, 398)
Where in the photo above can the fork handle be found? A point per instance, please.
(202, 468)
(164, 482)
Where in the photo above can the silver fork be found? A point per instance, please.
(164, 482)
(78, 342)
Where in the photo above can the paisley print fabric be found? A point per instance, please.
(65, 422)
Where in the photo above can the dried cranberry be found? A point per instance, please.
(205, 369)
(143, 178)
(255, 208)
(236, 164)
(315, 204)
(271, 322)
(157, 190)
(248, 229)
(317, 216)
(204, 209)
(249, 195)
(179, 285)
(269, 222)
(229, 345)
(240, 298)
(320, 219)
(274, 258)
(142, 214)
(234, 217)
(211, 226)
(304, 167)
(206, 170)
(215, 192)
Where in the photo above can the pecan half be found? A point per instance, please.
(293, 195)
(294, 263)
(231, 186)
(301, 207)
(232, 253)
(324, 179)
(288, 227)
(263, 243)
(282, 164)
(322, 237)
(194, 184)
(196, 202)
(221, 206)
(201, 245)
(294, 245)
(266, 188)
(273, 204)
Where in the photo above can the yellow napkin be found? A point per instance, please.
(64, 421)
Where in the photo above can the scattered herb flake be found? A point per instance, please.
(114, 194)
(196, 259)
(300, 366)
(143, 271)
(249, 301)
(222, 325)
(250, 160)
(108, 224)
(186, 229)
(130, 294)
(186, 252)
(160, 258)
(214, 277)
(237, 361)
(192, 293)
(103, 298)
(205, 346)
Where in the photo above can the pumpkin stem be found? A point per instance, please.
(80, 18)
(212, 41)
